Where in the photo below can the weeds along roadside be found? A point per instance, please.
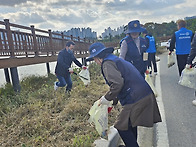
(40, 116)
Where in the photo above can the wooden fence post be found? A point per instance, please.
(51, 44)
(14, 71)
(63, 40)
(34, 41)
(9, 37)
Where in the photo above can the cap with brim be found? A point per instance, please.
(134, 26)
(96, 48)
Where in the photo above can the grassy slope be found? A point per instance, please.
(40, 116)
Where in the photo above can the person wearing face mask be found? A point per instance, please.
(133, 47)
(63, 66)
(126, 85)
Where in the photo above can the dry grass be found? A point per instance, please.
(40, 116)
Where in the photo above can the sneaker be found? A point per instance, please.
(194, 102)
(155, 73)
(55, 86)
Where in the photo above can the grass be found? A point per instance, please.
(40, 116)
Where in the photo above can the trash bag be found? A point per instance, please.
(188, 78)
(157, 58)
(85, 76)
(99, 116)
(170, 60)
(149, 81)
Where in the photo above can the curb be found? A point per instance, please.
(161, 134)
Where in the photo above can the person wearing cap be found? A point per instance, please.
(133, 47)
(181, 41)
(126, 84)
(190, 59)
(151, 50)
(63, 67)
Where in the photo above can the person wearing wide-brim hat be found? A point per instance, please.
(133, 47)
(139, 107)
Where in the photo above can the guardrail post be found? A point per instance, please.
(34, 41)
(71, 37)
(9, 37)
(51, 44)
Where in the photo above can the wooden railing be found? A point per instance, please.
(26, 41)
(21, 45)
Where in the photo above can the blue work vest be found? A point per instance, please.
(135, 87)
(151, 48)
(135, 55)
(183, 41)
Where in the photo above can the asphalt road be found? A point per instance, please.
(180, 114)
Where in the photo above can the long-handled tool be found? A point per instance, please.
(80, 76)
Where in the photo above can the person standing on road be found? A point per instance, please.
(139, 106)
(133, 47)
(63, 67)
(181, 41)
(151, 50)
(190, 59)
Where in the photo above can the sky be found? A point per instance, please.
(97, 14)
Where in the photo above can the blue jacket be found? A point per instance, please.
(135, 87)
(64, 62)
(151, 48)
(134, 55)
(183, 41)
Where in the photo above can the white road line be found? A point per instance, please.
(161, 128)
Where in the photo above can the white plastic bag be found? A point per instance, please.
(85, 76)
(188, 78)
(149, 81)
(157, 58)
(99, 116)
(170, 60)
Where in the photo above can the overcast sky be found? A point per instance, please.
(97, 14)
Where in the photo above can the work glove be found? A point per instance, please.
(103, 101)
(188, 66)
(84, 67)
(70, 70)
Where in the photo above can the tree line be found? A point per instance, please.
(159, 31)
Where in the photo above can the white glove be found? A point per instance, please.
(103, 101)
(188, 66)
(70, 70)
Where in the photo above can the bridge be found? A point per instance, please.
(22, 45)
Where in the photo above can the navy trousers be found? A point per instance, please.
(129, 137)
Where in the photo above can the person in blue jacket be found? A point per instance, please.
(133, 47)
(190, 59)
(63, 67)
(181, 41)
(126, 84)
(151, 50)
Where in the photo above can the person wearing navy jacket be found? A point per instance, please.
(133, 47)
(63, 67)
(151, 50)
(190, 59)
(126, 84)
(181, 41)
